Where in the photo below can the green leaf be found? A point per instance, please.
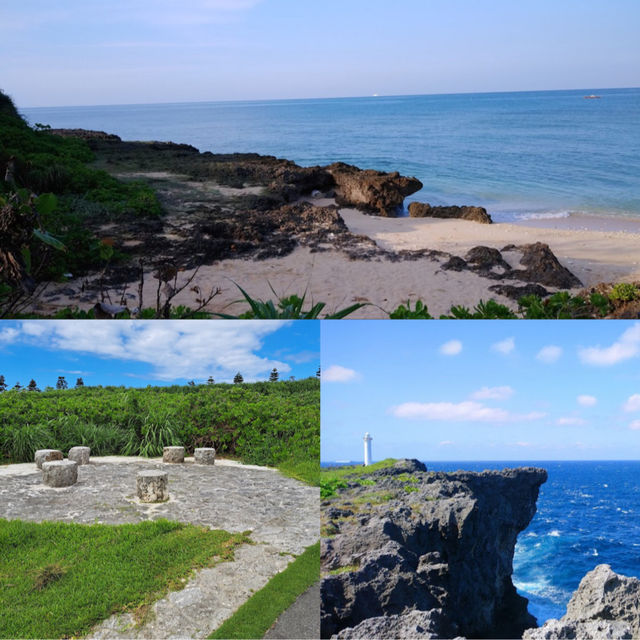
(46, 203)
(47, 238)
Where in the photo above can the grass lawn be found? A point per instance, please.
(255, 617)
(307, 471)
(59, 579)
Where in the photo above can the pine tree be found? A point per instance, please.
(62, 383)
(238, 379)
(318, 373)
(33, 385)
(18, 386)
(3, 384)
(79, 383)
(191, 383)
(211, 380)
(273, 376)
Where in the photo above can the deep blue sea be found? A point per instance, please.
(521, 155)
(588, 514)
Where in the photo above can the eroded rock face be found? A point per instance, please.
(435, 543)
(606, 605)
(542, 266)
(372, 191)
(425, 210)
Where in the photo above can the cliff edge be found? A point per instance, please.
(413, 554)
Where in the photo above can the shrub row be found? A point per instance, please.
(266, 423)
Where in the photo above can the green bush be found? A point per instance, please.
(624, 291)
(258, 423)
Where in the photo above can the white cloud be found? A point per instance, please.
(549, 354)
(458, 412)
(189, 349)
(9, 334)
(493, 393)
(505, 347)
(451, 348)
(446, 443)
(587, 401)
(336, 373)
(523, 444)
(635, 425)
(632, 403)
(626, 347)
(570, 421)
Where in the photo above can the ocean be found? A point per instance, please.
(523, 156)
(588, 513)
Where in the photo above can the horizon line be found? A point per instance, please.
(360, 97)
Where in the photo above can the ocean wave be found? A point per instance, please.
(554, 534)
(543, 215)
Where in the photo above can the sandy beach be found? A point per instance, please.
(331, 276)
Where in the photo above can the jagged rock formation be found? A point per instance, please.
(540, 267)
(372, 191)
(606, 605)
(416, 554)
(425, 210)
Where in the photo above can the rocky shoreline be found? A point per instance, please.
(225, 206)
(411, 554)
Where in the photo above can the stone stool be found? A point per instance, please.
(46, 455)
(152, 486)
(79, 454)
(205, 455)
(173, 454)
(60, 473)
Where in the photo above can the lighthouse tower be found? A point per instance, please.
(367, 449)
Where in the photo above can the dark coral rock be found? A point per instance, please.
(542, 266)
(474, 214)
(515, 292)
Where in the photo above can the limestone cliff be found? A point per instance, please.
(409, 553)
(606, 605)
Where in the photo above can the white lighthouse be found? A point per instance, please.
(367, 449)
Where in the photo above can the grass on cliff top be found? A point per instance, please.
(59, 579)
(357, 471)
(335, 477)
(254, 618)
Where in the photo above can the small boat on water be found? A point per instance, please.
(592, 97)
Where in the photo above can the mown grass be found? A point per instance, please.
(257, 615)
(59, 579)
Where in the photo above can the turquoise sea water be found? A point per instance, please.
(521, 155)
(588, 513)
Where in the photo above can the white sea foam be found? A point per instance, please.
(544, 215)
(554, 534)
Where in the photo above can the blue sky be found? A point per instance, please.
(76, 52)
(138, 353)
(500, 390)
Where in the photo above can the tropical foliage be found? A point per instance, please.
(258, 423)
